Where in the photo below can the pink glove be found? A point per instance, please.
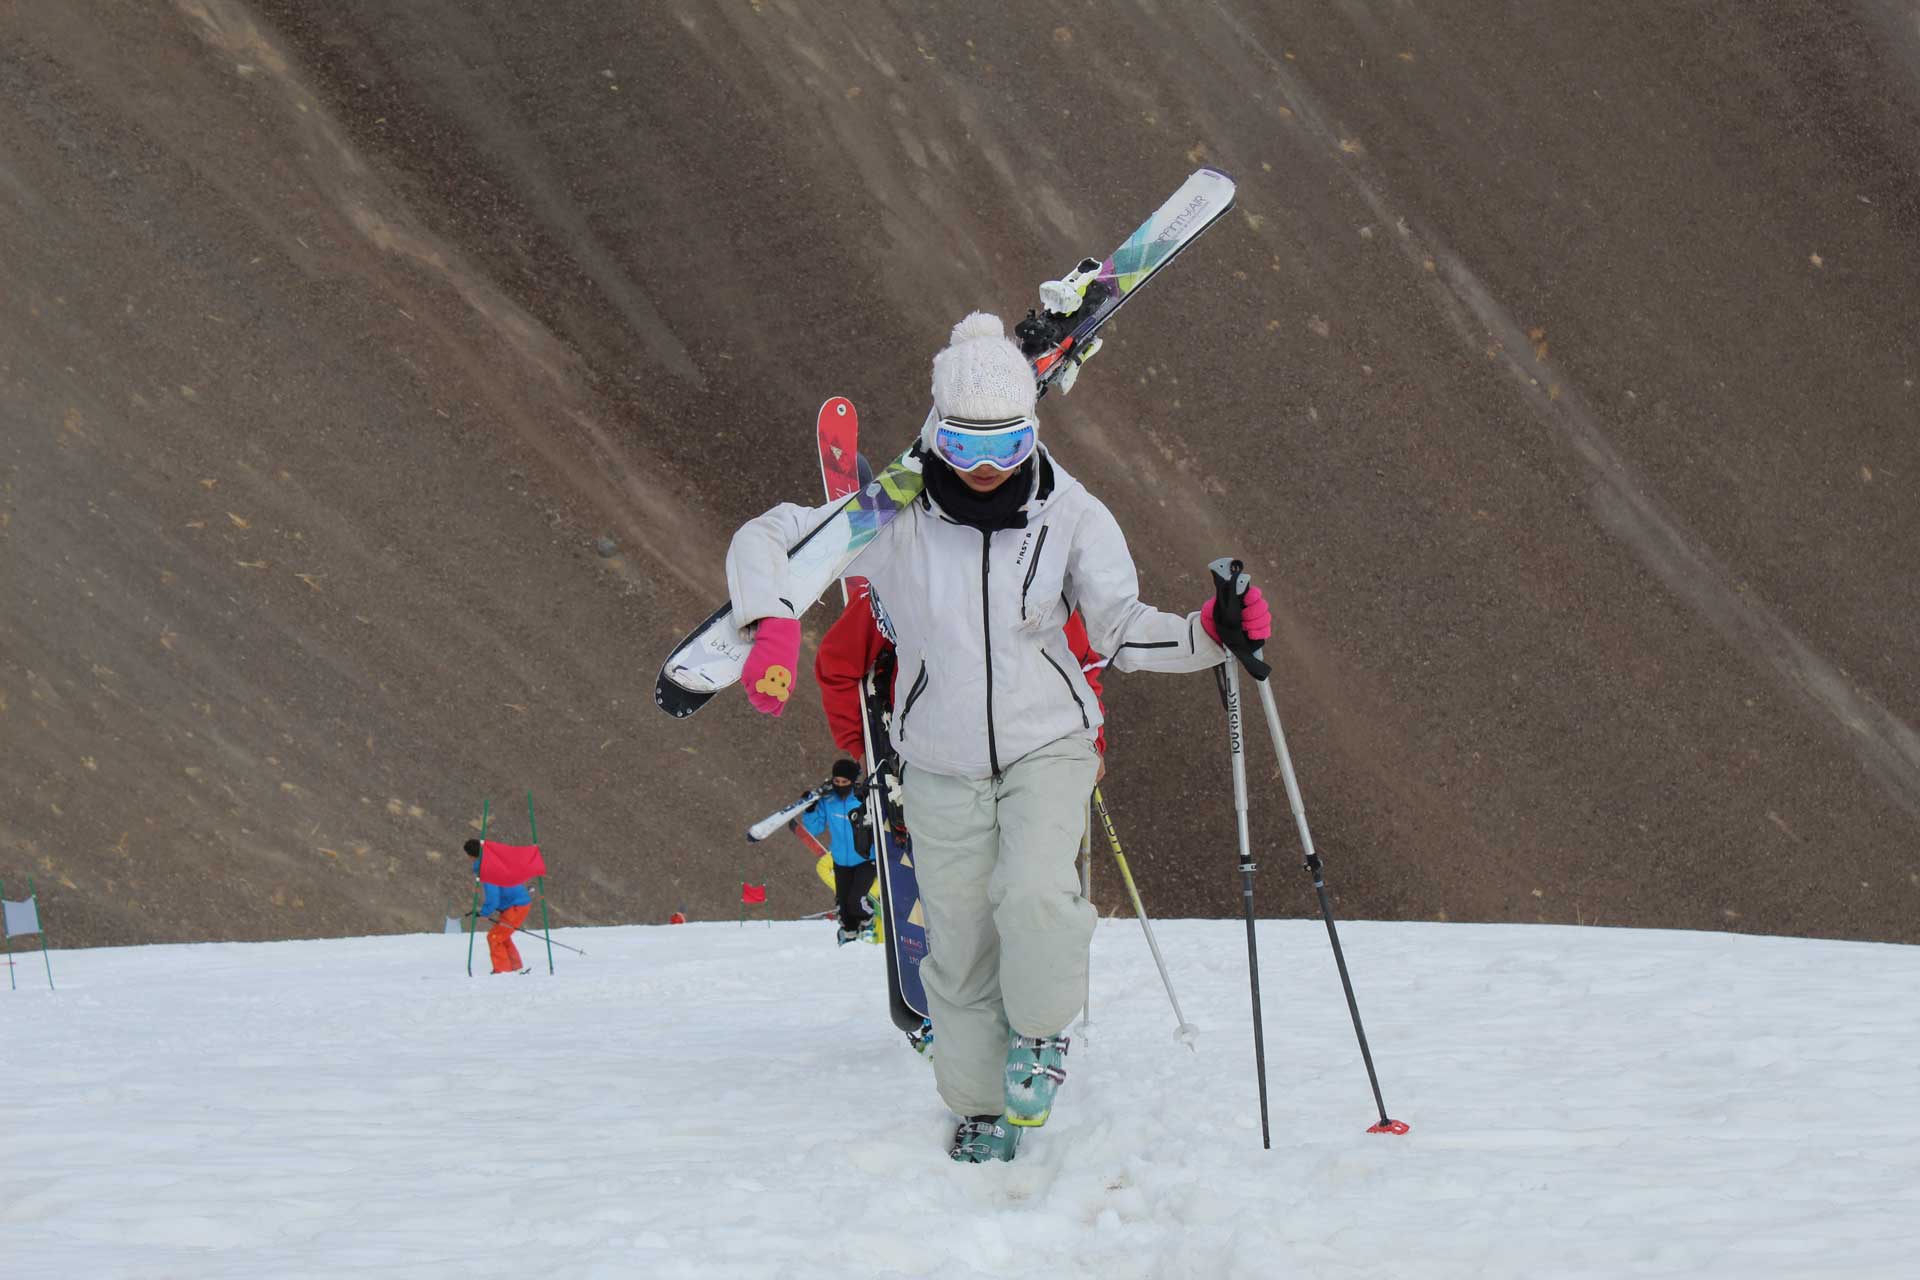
(1256, 619)
(768, 674)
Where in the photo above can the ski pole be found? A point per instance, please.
(531, 934)
(1183, 1030)
(1326, 906)
(534, 935)
(1086, 895)
(1230, 587)
(1229, 676)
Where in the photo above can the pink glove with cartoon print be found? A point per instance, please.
(768, 675)
(1256, 619)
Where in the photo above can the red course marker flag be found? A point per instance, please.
(752, 893)
(510, 864)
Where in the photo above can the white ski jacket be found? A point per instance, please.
(985, 674)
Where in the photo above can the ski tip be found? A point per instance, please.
(837, 407)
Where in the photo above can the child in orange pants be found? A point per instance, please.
(506, 956)
(508, 905)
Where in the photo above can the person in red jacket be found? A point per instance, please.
(507, 907)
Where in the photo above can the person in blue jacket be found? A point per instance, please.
(841, 817)
(507, 906)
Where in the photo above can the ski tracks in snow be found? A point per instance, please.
(710, 1100)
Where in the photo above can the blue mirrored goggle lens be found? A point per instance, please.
(1002, 446)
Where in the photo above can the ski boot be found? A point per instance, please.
(922, 1040)
(1036, 1066)
(981, 1139)
(844, 936)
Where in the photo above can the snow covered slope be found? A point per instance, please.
(679, 1102)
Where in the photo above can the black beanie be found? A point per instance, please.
(846, 769)
(472, 847)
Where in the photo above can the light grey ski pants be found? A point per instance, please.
(1007, 929)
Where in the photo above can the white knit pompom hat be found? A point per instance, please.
(982, 375)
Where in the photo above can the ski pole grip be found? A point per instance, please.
(1230, 583)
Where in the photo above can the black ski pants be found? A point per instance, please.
(850, 888)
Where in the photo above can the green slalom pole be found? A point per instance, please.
(540, 883)
(473, 917)
(34, 898)
(6, 937)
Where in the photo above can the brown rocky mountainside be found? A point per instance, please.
(1556, 377)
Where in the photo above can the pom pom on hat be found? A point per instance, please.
(982, 374)
(978, 324)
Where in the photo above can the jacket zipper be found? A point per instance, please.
(913, 695)
(1033, 567)
(1084, 722)
(986, 640)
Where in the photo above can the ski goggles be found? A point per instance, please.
(964, 443)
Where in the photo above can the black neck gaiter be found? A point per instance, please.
(987, 512)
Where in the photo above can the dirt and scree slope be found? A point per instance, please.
(1556, 376)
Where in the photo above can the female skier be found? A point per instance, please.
(995, 724)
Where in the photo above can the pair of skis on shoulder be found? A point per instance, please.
(1057, 339)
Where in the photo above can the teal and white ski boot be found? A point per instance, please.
(982, 1139)
(1036, 1067)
